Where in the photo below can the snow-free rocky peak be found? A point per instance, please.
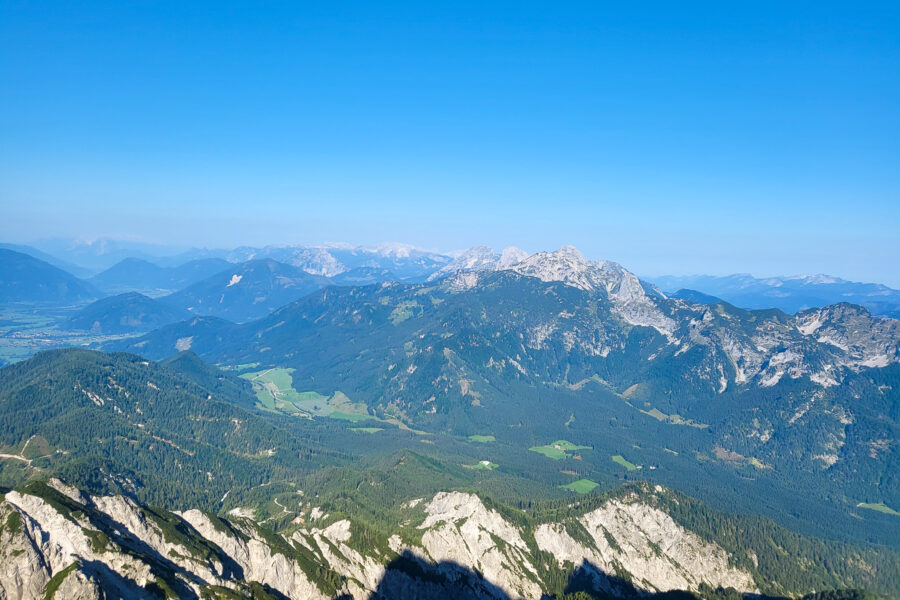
(110, 546)
(624, 289)
(481, 258)
(567, 265)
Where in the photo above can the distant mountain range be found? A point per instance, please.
(24, 278)
(138, 275)
(133, 267)
(481, 258)
(100, 254)
(402, 261)
(70, 268)
(790, 294)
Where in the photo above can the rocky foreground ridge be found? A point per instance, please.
(57, 542)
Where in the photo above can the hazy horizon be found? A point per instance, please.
(150, 249)
(701, 139)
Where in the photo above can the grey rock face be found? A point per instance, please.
(96, 547)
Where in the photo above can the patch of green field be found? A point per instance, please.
(482, 439)
(879, 507)
(304, 396)
(275, 391)
(656, 414)
(569, 446)
(483, 466)
(620, 460)
(403, 311)
(36, 447)
(549, 452)
(281, 378)
(352, 417)
(27, 328)
(367, 429)
(266, 398)
(582, 486)
(758, 463)
(673, 419)
(559, 449)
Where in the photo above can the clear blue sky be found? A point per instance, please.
(673, 137)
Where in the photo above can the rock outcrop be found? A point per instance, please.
(56, 541)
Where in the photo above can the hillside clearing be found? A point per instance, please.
(879, 507)
(621, 460)
(582, 486)
(559, 449)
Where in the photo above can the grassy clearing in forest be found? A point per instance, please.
(274, 390)
(620, 460)
(582, 486)
(559, 449)
(879, 507)
(484, 465)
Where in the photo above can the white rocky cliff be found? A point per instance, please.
(58, 542)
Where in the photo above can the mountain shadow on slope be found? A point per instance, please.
(411, 578)
(590, 582)
(163, 567)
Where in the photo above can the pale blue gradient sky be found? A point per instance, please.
(671, 137)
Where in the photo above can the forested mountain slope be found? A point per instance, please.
(558, 347)
(327, 496)
(125, 313)
(118, 422)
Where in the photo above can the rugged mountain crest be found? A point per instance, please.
(866, 341)
(329, 260)
(58, 538)
(481, 258)
(623, 288)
